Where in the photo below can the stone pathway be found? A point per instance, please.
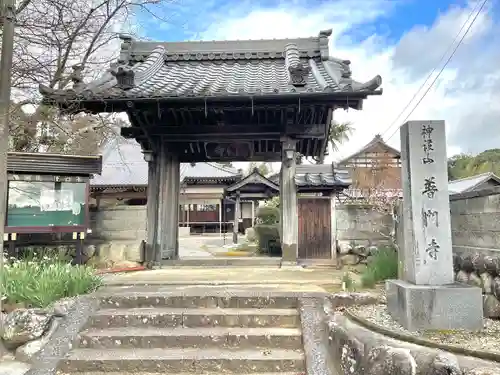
(190, 331)
(230, 275)
(199, 246)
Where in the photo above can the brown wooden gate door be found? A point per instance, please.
(315, 233)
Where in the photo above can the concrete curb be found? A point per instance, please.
(61, 342)
(489, 356)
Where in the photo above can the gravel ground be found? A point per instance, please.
(487, 339)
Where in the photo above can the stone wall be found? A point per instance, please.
(119, 223)
(361, 225)
(475, 222)
(475, 225)
(117, 233)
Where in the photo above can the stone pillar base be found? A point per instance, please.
(435, 307)
(290, 265)
(289, 253)
(185, 231)
(168, 254)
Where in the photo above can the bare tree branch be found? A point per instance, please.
(51, 37)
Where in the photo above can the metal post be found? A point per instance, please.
(8, 18)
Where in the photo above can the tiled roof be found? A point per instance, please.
(124, 165)
(377, 140)
(205, 69)
(321, 175)
(318, 175)
(466, 184)
(253, 178)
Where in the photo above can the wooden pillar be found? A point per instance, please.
(160, 237)
(288, 202)
(333, 225)
(220, 217)
(253, 213)
(169, 206)
(151, 208)
(237, 208)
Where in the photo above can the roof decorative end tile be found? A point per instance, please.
(124, 77)
(125, 49)
(77, 76)
(297, 71)
(323, 43)
(340, 72)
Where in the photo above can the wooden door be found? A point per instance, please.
(315, 235)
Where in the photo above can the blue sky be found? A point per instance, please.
(402, 40)
(188, 19)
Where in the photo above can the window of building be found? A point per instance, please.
(206, 207)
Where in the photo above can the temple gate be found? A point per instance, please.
(253, 100)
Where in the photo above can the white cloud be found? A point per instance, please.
(403, 66)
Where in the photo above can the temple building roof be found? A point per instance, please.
(466, 184)
(47, 163)
(376, 143)
(276, 67)
(124, 165)
(254, 183)
(319, 176)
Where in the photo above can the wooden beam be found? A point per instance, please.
(200, 158)
(203, 130)
(233, 132)
(307, 130)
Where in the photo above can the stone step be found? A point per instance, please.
(194, 317)
(182, 373)
(179, 337)
(127, 300)
(217, 262)
(192, 361)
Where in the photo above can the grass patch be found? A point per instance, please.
(382, 266)
(348, 283)
(39, 282)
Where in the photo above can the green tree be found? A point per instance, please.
(340, 132)
(263, 168)
(466, 165)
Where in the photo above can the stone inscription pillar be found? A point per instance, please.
(426, 204)
(427, 297)
(288, 203)
(169, 204)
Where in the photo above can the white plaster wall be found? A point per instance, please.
(246, 210)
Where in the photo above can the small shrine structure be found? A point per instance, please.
(245, 100)
(253, 188)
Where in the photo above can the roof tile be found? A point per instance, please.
(469, 183)
(191, 69)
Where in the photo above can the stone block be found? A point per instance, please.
(428, 307)
(184, 231)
